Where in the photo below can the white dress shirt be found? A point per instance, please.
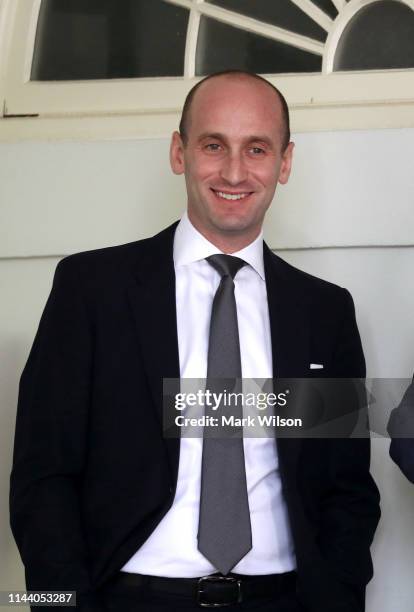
(171, 550)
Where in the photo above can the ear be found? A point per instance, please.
(286, 164)
(177, 154)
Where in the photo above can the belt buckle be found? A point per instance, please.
(220, 579)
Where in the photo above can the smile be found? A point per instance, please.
(231, 196)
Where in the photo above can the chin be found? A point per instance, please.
(232, 225)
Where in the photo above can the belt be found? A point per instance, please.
(212, 591)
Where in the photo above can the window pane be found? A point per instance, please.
(380, 36)
(282, 13)
(104, 39)
(327, 7)
(222, 47)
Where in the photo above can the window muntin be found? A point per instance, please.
(327, 6)
(282, 13)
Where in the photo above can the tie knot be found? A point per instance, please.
(226, 265)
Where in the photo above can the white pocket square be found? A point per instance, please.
(316, 366)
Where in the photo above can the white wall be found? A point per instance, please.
(347, 188)
(351, 190)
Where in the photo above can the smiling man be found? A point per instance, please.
(101, 502)
(233, 148)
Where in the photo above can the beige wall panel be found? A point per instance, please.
(347, 188)
(58, 198)
(24, 286)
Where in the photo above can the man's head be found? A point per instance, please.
(186, 112)
(233, 150)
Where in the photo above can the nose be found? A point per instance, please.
(234, 170)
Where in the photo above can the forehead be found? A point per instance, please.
(235, 106)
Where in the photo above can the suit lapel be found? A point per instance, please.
(290, 344)
(152, 297)
(288, 320)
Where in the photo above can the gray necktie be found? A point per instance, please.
(224, 531)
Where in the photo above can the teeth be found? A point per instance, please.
(231, 196)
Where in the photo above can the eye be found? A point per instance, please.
(257, 151)
(213, 146)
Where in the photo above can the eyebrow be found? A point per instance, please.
(254, 138)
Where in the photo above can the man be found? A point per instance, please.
(101, 502)
(401, 430)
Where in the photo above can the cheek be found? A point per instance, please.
(205, 167)
(268, 177)
(267, 172)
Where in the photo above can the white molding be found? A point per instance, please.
(7, 18)
(304, 118)
(138, 97)
(256, 27)
(315, 13)
(160, 96)
(346, 14)
(31, 39)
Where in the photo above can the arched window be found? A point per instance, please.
(104, 39)
(118, 57)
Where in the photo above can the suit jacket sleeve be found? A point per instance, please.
(50, 445)
(350, 507)
(400, 427)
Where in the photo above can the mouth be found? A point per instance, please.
(231, 197)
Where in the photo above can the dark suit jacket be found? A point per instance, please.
(401, 430)
(92, 473)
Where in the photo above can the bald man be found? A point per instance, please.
(101, 502)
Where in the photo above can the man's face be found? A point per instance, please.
(233, 158)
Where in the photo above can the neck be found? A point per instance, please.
(230, 242)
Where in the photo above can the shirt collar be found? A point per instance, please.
(191, 246)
